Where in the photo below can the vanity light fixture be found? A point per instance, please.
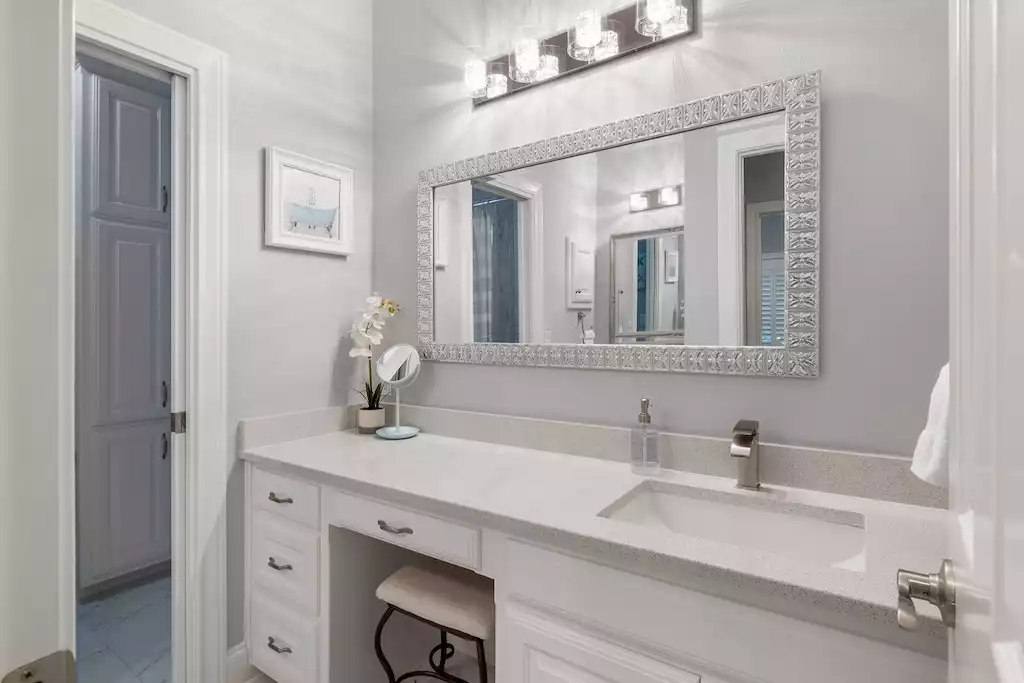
(658, 198)
(592, 39)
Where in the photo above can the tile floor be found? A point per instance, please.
(126, 637)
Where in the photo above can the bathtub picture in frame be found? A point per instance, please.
(309, 204)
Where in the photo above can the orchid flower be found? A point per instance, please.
(367, 332)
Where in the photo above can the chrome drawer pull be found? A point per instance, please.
(272, 563)
(387, 528)
(272, 644)
(274, 498)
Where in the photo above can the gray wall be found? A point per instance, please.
(300, 78)
(884, 333)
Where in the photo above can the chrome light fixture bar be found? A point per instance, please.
(593, 39)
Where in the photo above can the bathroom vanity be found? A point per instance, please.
(599, 574)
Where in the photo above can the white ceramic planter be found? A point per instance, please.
(370, 420)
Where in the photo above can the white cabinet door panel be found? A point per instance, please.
(133, 154)
(538, 648)
(131, 312)
(125, 520)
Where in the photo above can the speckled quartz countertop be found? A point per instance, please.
(555, 500)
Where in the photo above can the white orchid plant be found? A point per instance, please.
(367, 332)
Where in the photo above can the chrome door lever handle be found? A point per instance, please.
(937, 589)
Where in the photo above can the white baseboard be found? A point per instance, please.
(239, 669)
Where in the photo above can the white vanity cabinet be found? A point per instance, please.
(283, 576)
(566, 620)
(561, 618)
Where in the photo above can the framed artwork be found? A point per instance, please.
(671, 267)
(309, 204)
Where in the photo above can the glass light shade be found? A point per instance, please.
(638, 201)
(660, 18)
(661, 11)
(609, 45)
(550, 64)
(475, 74)
(524, 61)
(668, 196)
(497, 85)
(588, 29)
(680, 24)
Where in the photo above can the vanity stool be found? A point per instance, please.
(456, 602)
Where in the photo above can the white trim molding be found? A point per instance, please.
(800, 98)
(733, 148)
(199, 322)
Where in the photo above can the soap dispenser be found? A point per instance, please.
(645, 453)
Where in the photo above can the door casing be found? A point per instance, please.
(198, 323)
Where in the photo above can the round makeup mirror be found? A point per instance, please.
(398, 367)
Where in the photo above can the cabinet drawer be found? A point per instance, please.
(425, 534)
(286, 562)
(296, 500)
(282, 644)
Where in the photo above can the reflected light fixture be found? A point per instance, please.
(658, 198)
(638, 202)
(669, 196)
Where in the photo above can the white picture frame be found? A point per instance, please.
(671, 267)
(309, 204)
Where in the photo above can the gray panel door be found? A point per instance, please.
(124, 468)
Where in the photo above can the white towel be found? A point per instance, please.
(931, 457)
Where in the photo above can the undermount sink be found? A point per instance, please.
(746, 519)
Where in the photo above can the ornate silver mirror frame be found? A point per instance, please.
(800, 97)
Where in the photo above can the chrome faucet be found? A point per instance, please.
(744, 447)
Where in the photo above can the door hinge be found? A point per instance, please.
(178, 424)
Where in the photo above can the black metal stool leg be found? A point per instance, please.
(481, 657)
(377, 646)
(444, 650)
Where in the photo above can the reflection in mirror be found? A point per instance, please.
(647, 302)
(566, 252)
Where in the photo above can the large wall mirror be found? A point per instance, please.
(684, 240)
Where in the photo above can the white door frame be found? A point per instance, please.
(531, 252)
(199, 315)
(736, 143)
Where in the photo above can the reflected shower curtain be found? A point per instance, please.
(495, 267)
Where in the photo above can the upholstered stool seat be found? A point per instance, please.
(454, 601)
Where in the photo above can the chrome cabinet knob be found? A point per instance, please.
(937, 589)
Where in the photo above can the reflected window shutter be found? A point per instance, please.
(773, 300)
